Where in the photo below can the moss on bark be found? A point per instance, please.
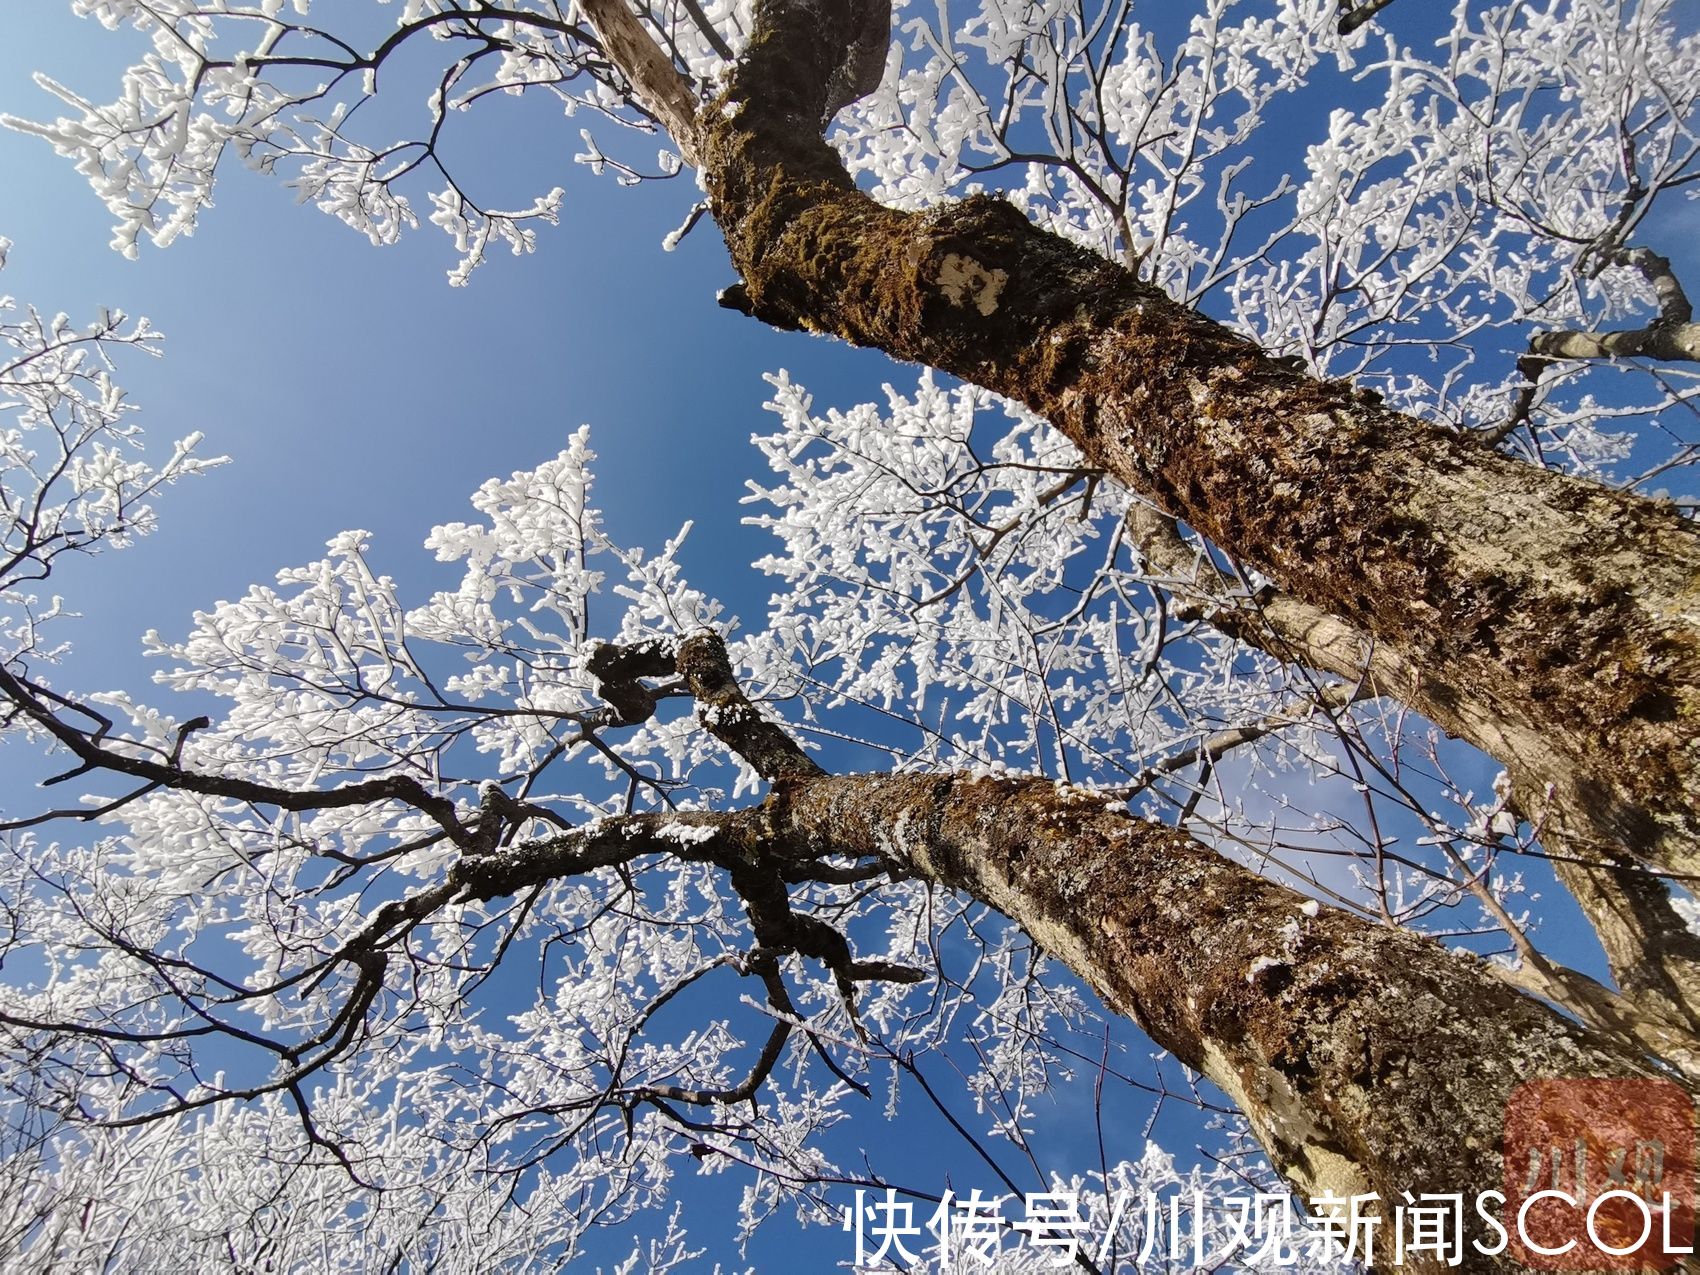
(1367, 1058)
(1552, 622)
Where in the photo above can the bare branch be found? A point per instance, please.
(654, 79)
(733, 720)
(1671, 336)
(1354, 16)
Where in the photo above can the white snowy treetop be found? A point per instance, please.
(955, 589)
(1435, 198)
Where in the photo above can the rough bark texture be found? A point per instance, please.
(1366, 1058)
(1277, 623)
(654, 81)
(1654, 957)
(1552, 622)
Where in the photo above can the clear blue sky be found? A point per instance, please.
(353, 388)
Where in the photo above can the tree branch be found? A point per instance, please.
(95, 756)
(733, 720)
(1354, 16)
(1672, 336)
(655, 81)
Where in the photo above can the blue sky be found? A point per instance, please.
(353, 388)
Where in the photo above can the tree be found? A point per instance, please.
(1379, 537)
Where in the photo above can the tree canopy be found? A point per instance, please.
(1282, 566)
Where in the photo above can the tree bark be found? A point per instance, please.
(1672, 337)
(1654, 957)
(1552, 622)
(1349, 1047)
(1366, 1058)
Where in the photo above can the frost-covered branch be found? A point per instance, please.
(289, 102)
(466, 867)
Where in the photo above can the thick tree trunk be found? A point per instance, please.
(1552, 622)
(1367, 1058)
(1654, 957)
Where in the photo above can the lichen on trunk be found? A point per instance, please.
(1551, 622)
(1366, 1058)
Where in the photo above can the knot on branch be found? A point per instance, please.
(619, 672)
(729, 716)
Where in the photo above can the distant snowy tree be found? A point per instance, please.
(445, 930)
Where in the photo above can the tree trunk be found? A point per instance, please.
(1551, 622)
(1653, 956)
(1367, 1058)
